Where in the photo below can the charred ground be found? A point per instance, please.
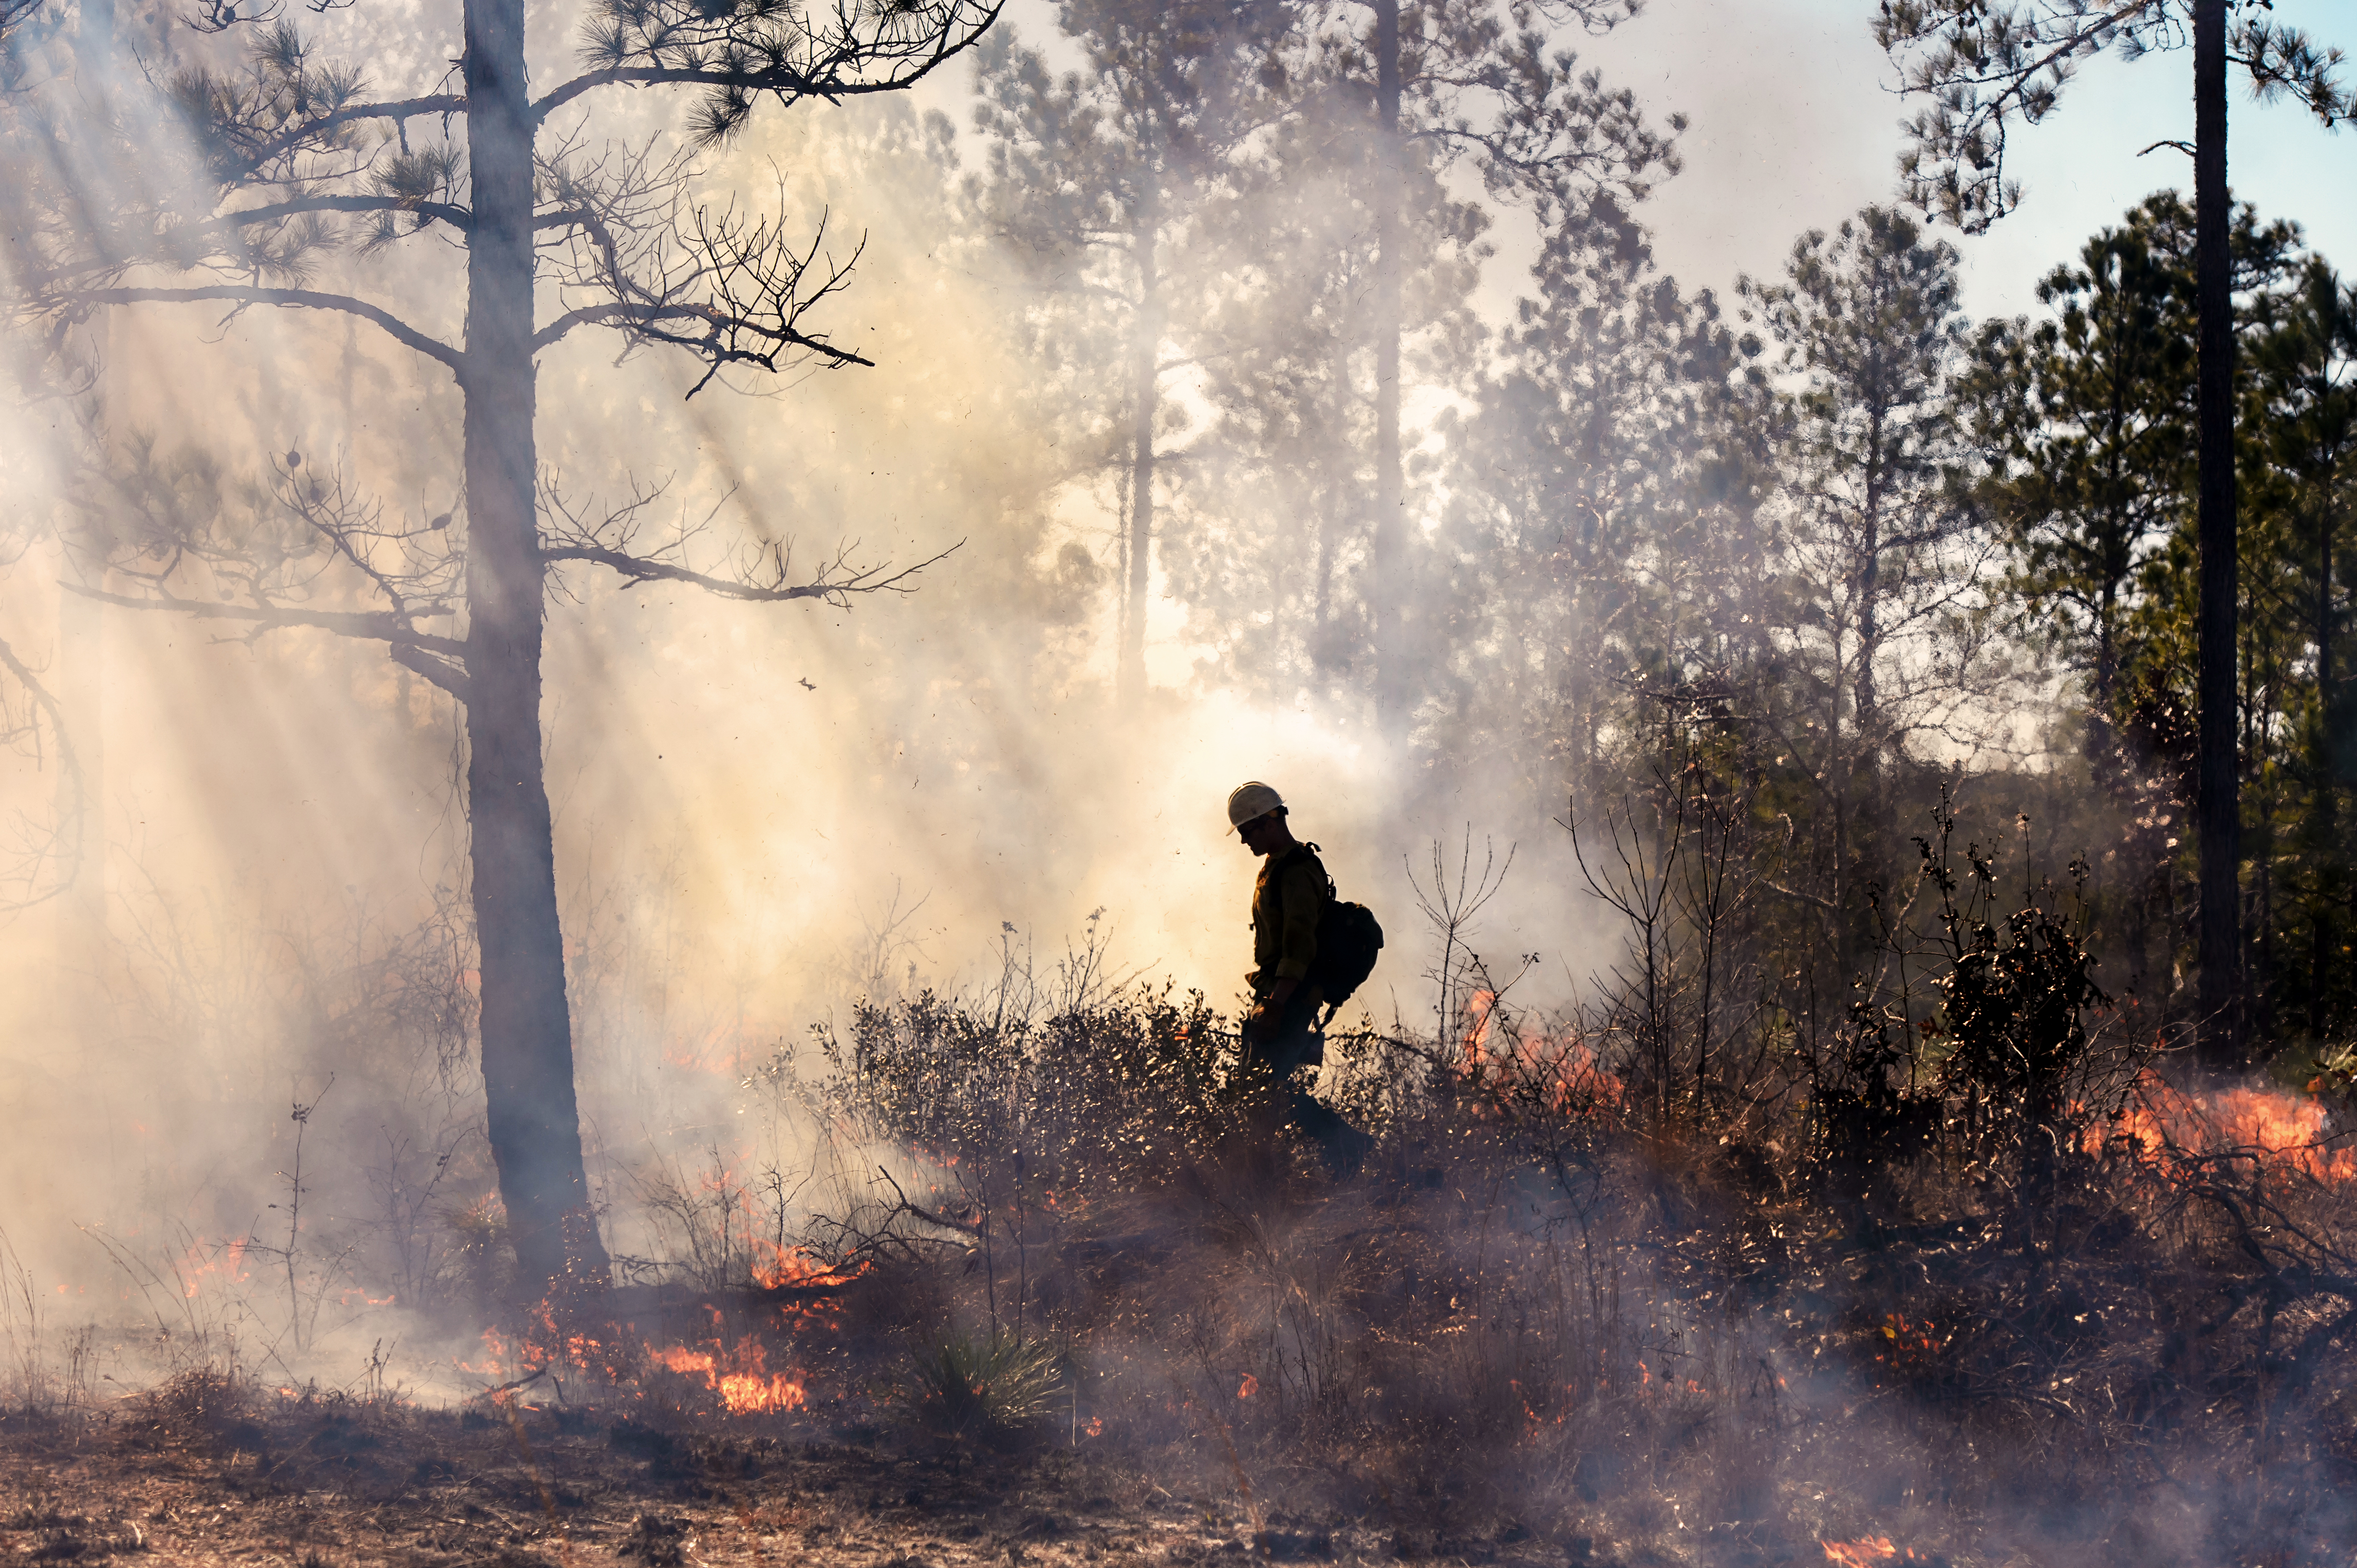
(197, 1475)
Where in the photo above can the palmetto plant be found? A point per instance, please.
(967, 1385)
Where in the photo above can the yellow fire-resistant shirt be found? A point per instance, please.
(1288, 897)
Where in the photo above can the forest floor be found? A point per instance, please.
(327, 1485)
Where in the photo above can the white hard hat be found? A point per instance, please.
(1249, 800)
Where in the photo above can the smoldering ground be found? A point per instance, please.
(1085, 1315)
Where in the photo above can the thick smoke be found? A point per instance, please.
(762, 812)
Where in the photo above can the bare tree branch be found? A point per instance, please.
(413, 568)
(763, 574)
(834, 589)
(60, 846)
(787, 85)
(664, 275)
(645, 321)
(243, 295)
(375, 626)
(443, 673)
(16, 14)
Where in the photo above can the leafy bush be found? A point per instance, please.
(1989, 1043)
(1111, 1091)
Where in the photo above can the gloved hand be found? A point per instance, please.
(1268, 1016)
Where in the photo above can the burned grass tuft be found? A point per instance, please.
(657, 1541)
(207, 1409)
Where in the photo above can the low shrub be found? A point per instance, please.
(967, 1386)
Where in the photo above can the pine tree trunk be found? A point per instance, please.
(2217, 772)
(2324, 671)
(2327, 810)
(1390, 525)
(1147, 397)
(527, 1036)
(81, 656)
(1869, 599)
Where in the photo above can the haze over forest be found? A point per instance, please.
(1627, 500)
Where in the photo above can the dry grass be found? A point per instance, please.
(334, 1486)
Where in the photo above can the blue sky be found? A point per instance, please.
(1794, 125)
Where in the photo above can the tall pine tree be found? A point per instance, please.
(1989, 67)
(289, 158)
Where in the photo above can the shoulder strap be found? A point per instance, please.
(1310, 851)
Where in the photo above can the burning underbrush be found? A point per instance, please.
(1547, 1322)
(1969, 1277)
(1565, 1310)
(1975, 1276)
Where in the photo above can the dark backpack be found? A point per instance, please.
(1348, 939)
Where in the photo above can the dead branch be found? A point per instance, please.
(377, 626)
(902, 1205)
(758, 574)
(413, 568)
(833, 589)
(78, 303)
(448, 674)
(61, 845)
(728, 293)
(17, 16)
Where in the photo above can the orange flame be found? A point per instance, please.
(542, 1345)
(1911, 1344)
(1567, 1072)
(740, 1377)
(2265, 1124)
(212, 1263)
(785, 1266)
(1870, 1549)
(739, 1374)
(789, 1267)
(1859, 1553)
